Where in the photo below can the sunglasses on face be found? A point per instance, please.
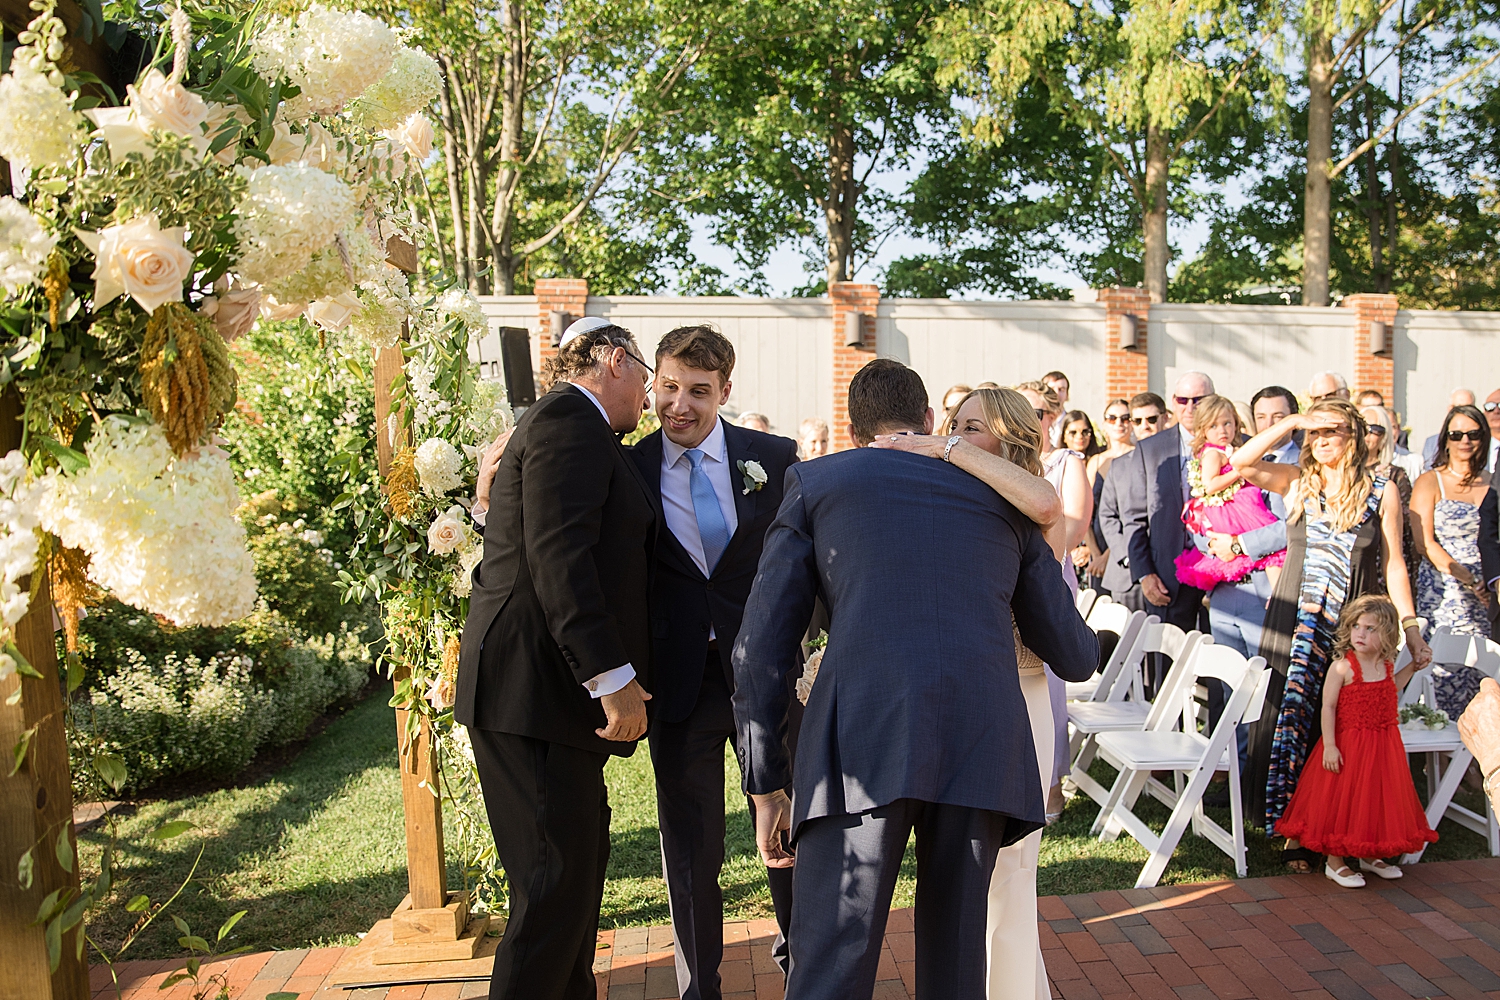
(1375, 430)
(1040, 414)
(1490, 407)
(1190, 400)
(1138, 421)
(1460, 435)
(1116, 418)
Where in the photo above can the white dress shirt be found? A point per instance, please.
(677, 493)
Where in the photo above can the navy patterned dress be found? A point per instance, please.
(1442, 600)
(1324, 569)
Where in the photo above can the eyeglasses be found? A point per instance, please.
(1474, 436)
(1191, 400)
(1116, 418)
(1138, 421)
(1040, 414)
(1375, 430)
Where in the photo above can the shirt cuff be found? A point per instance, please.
(610, 681)
(478, 512)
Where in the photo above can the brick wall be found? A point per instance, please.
(1373, 371)
(1125, 371)
(569, 295)
(845, 297)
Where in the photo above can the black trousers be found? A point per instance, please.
(688, 757)
(549, 811)
(846, 873)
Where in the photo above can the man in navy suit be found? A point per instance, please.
(719, 486)
(916, 719)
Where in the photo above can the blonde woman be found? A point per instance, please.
(1380, 438)
(1344, 540)
(1000, 442)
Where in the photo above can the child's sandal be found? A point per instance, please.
(1380, 868)
(1345, 876)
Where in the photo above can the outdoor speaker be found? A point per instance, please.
(1379, 337)
(1128, 323)
(515, 358)
(560, 321)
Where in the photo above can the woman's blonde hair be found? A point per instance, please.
(1347, 506)
(1050, 399)
(1388, 622)
(1211, 410)
(1387, 450)
(1010, 417)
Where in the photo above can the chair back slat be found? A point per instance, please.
(1084, 602)
(1114, 682)
(1108, 617)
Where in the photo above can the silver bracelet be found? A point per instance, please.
(948, 448)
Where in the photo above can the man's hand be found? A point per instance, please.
(489, 461)
(1219, 545)
(1479, 726)
(773, 817)
(625, 711)
(1155, 591)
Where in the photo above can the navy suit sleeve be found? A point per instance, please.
(1111, 527)
(1135, 517)
(1489, 535)
(769, 645)
(1046, 616)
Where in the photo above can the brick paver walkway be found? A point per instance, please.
(1435, 933)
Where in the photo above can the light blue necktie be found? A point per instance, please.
(713, 530)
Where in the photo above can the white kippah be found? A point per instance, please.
(581, 326)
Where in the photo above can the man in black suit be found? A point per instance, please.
(916, 719)
(555, 655)
(719, 486)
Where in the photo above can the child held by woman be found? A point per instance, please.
(1360, 803)
(1222, 502)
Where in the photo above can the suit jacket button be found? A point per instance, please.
(710, 585)
(703, 628)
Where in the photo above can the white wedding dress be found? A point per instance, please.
(1013, 952)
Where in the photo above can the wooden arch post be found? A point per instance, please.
(431, 934)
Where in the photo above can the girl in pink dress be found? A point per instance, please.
(1222, 501)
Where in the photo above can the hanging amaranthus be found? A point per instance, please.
(186, 376)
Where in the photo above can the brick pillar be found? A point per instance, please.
(1373, 371)
(1125, 369)
(569, 295)
(845, 297)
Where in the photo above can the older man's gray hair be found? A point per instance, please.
(587, 351)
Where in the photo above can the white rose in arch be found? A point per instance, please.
(334, 314)
(415, 135)
(169, 106)
(123, 130)
(234, 312)
(446, 534)
(139, 259)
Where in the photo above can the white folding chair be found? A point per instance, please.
(1105, 616)
(1114, 713)
(1195, 755)
(1084, 602)
(1446, 757)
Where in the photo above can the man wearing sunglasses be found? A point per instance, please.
(1148, 413)
(552, 673)
(1328, 385)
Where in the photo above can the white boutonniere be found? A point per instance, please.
(755, 476)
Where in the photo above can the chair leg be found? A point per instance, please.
(1127, 788)
(1172, 835)
(1237, 817)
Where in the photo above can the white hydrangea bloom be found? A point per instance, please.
(19, 502)
(332, 271)
(439, 466)
(385, 305)
(462, 584)
(24, 246)
(332, 56)
(460, 304)
(38, 127)
(406, 88)
(160, 529)
(288, 214)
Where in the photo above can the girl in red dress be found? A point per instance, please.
(1361, 803)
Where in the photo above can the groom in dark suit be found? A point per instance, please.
(719, 487)
(555, 654)
(916, 719)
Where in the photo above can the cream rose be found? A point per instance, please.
(415, 135)
(334, 314)
(234, 312)
(285, 147)
(222, 117)
(139, 259)
(169, 106)
(122, 130)
(446, 533)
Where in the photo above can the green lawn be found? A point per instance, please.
(316, 852)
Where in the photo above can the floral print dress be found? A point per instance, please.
(1444, 601)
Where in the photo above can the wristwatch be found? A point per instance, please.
(1235, 547)
(948, 448)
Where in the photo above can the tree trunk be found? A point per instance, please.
(453, 170)
(1373, 202)
(512, 109)
(1316, 234)
(839, 206)
(1154, 218)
